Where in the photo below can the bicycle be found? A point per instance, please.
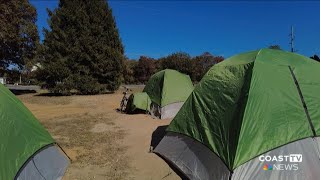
(124, 100)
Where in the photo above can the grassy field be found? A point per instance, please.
(102, 143)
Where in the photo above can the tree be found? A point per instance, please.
(82, 50)
(13, 76)
(178, 61)
(144, 69)
(201, 64)
(315, 57)
(18, 33)
(275, 47)
(128, 74)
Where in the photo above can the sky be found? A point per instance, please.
(159, 28)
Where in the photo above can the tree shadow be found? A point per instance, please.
(137, 111)
(51, 94)
(21, 92)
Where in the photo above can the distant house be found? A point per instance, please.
(2, 80)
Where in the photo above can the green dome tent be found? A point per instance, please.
(138, 101)
(253, 116)
(27, 151)
(167, 90)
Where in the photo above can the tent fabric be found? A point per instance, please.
(213, 118)
(193, 158)
(165, 112)
(307, 169)
(168, 86)
(170, 110)
(250, 104)
(49, 163)
(197, 162)
(21, 134)
(139, 100)
(163, 95)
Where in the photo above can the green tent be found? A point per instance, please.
(138, 101)
(27, 151)
(253, 116)
(168, 89)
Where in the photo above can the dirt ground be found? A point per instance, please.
(101, 143)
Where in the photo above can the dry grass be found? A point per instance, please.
(102, 143)
(88, 148)
(45, 100)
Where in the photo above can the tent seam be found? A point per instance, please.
(245, 108)
(162, 89)
(31, 157)
(303, 101)
(300, 139)
(314, 135)
(38, 169)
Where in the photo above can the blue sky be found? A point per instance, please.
(159, 28)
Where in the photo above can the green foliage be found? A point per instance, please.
(275, 47)
(144, 69)
(315, 57)
(82, 51)
(178, 61)
(201, 64)
(13, 76)
(128, 74)
(196, 67)
(18, 33)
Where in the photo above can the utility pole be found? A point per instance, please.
(292, 37)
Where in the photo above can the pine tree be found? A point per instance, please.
(18, 33)
(82, 50)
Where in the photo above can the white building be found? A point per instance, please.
(35, 67)
(2, 80)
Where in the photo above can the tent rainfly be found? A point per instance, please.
(253, 116)
(27, 151)
(138, 101)
(168, 90)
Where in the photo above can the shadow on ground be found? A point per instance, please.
(50, 94)
(157, 135)
(21, 92)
